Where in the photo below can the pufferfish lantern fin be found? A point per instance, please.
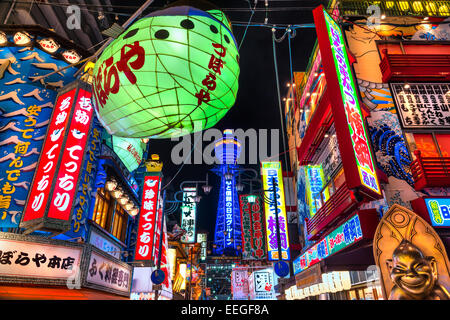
(219, 15)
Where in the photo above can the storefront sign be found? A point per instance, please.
(189, 212)
(340, 238)
(84, 198)
(108, 274)
(261, 285)
(271, 172)
(104, 244)
(252, 223)
(69, 170)
(423, 105)
(239, 283)
(349, 121)
(48, 162)
(315, 181)
(50, 202)
(37, 261)
(147, 218)
(202, 238)
(439, 210)
(308, 277)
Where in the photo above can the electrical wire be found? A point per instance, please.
(184, 162)
(249, 21)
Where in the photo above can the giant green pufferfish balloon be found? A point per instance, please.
(171, 73)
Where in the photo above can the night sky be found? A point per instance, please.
(257, 100)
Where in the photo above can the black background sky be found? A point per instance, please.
(257, 99)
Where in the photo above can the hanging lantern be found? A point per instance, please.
(123, 200)
(3, 38)
(71, 56)
(22, 38)
(117, 193)
(134, 212)
(111, 185)
(49, 45)
(128, 206)
(171, 73)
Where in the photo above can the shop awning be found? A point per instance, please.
(54, 293)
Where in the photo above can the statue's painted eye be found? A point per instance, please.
(213, 29)
(131, 33)
(162, 34)
(187, 24)
(227, 40)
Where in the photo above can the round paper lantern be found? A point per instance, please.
(171, 73)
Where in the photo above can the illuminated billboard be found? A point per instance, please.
(360, 169)
(147, 218)
(252, 223)
(271, 173)
(52, 192)
(188, 214)
(315, 181)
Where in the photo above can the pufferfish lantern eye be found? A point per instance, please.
(162, 34)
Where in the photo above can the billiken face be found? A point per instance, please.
(411, 271)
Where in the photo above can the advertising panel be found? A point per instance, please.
(271, 172)
(239, 283)
(108, 274)
(147, 218)
(423, 105)
(188, 214)
(39, 261)
(343, 236)
(360, 169)
(315, 181)
(439, 211)
(261, 285)
(252, 222)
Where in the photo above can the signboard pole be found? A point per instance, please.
(158, 266)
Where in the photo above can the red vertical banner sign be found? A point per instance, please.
(39, 213)
(72, 158)
(351, 132)
(147, 218)
(246, 227)
(252, 225)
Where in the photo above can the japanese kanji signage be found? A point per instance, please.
(343, 236)
(423, 105)
(261, 286)
(239, 283)
(439, 211)
(202, 238)
(104, 244)
(188, 214)
(147, 218)
(107, 274)
(271, 172)
(315, 181)
(252, 223)
(50, 201)
(359, 169)
(39, 262)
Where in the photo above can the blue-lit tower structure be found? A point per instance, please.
(227, 236)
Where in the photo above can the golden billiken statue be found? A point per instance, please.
(415, 276)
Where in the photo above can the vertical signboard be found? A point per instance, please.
(271, 173)
(239, 283)
(50, 201)
(72, 158)
(252, 223)
(147, 218)
(202, 238)
(261, 286)
(188, 214)
(360, 169)
(315, 181)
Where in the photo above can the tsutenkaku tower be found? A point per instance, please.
(227, 235)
